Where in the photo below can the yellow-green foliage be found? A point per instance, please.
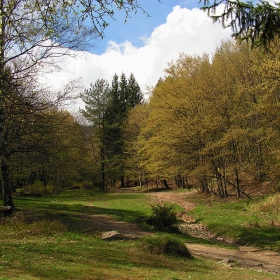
(208, 115)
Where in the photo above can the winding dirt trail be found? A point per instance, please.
(260, 260)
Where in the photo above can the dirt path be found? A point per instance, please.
(254, 258)
(188, 226)
(260, 260)
(104, 223)
(249, 257)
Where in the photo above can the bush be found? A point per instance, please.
(38, 188)
(164, 245)
(87, 185)
(163, 217)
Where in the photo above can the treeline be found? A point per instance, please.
(214, 125)
(46, 149)
(209, 123)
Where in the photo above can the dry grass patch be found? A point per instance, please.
(270, 207)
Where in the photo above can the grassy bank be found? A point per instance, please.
(253, 222)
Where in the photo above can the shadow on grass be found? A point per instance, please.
(261, 237)
(74, 212)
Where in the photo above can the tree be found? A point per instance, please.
(213, 123)
(132, 127)
(106, 110)
(96, 102)
(258, 24)
(135, 96)
(58, 160)
(123, 96)
(35, 32)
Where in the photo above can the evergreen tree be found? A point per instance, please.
(96, 103)
(106, 109)
(123, 96)
(258, 23)
(135, 94)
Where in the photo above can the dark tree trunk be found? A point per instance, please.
(44, 179)
(122, 181)
(238, 192)
(164, 182)
(6, 187)
(102, 167)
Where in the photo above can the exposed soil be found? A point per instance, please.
(260, 260)
(188, 225)
(102, 223)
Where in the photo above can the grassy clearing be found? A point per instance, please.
(46, 246)
(253, 222)
(126, 207)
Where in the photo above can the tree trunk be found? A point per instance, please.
(157, 183)
(102, 166)
(6, 188)
(164, 182)
(238, 192)
(122, 181)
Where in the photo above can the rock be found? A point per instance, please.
(228, 262)
(115, 235)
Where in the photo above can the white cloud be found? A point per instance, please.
(186, 31)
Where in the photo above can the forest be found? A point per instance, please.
(211, 123)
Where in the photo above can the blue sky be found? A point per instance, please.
(139, 25)
(143, 46)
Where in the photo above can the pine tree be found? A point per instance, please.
(135, 94)
(258, 23)
(96, 103)
(124, 95)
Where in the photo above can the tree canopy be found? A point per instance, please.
(210, 124)
(258, 23)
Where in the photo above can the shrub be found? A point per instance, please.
(38, 188)
(163, 217)
(87, 185)
(164, 245)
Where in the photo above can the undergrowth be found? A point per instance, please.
(269, 206)
(254, 222)
(163, 217)
(164, 245)
(18, 227)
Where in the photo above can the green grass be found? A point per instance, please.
(241, 221)
(39, 242)
(126, 207)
